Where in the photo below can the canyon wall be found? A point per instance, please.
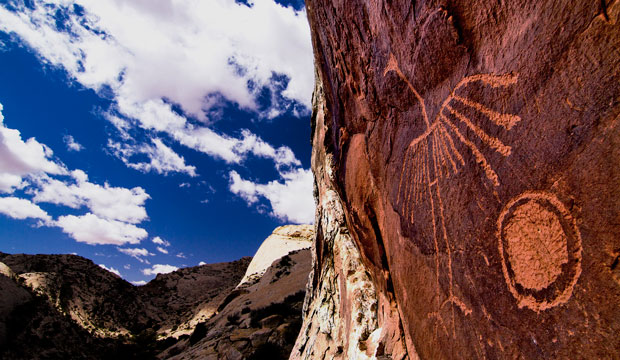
(467, 167)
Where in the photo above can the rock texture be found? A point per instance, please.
(467, 169)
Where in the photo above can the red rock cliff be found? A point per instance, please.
(467, 164)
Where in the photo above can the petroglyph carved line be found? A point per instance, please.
(493, 142)
(540, 247)
(505, 120)
(480, 159)
(393, 66)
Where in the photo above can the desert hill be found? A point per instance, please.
(44, 297)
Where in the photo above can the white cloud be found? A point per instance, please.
(72, 145)
(19, 158)
(94, 230)
(159, 241)
(111, 269)
(202, 263)
(162, 250)
(181, 256)
(290, 200)
(159, 269)
(107, 202)
(127, 266)
(191, 53)
(139, 283)
(163, 159)
(22, 209)
(136, 253)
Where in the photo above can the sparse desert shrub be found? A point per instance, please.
(291, 331)
(285, 261)
(281, 309)
(166, 343)
(267, 351)
(233, 319)
(245, 310)
(298, 296)
(200, 331)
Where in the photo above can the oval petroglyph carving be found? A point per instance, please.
(540, 248)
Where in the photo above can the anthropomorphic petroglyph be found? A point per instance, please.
(434, 155)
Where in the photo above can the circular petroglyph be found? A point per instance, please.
(540, 247)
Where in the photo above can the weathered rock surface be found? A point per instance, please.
(467, 165)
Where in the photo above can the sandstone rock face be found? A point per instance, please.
(283, 240)
(343, 310)
(467, 165)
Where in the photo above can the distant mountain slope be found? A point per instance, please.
(183, 298)
(258, 321)
(94, 298)
(65, 306)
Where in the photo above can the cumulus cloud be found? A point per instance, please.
(107, 202)
(202, 263)
(111, 269)
(151, 54)
(139, 283)
(290, 199)
(136, 253)
(93, 230)
(167, 65)
(19, 158)
(72, 145)
(159, 241)
(28, 165)
(162, 250)
(159, 269)
(163, 159)
(22, 209)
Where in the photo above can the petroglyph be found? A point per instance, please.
(434, 155)
(540, 248)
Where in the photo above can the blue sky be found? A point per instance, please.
(150, 135)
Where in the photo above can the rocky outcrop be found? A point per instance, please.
(257, 321)
(282, 241)
(345, 317)
(466, 163)
(261, 317)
